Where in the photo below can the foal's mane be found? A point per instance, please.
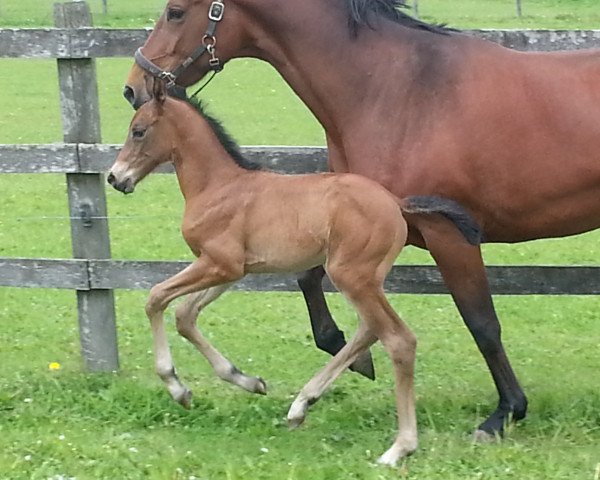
(226, 140)
(361, 11)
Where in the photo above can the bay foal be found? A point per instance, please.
(242, 220)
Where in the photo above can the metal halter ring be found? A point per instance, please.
(209, 41)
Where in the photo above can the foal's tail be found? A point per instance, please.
(450, 209)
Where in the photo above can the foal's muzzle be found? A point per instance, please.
(125, 186)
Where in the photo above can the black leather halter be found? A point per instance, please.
(209, 42)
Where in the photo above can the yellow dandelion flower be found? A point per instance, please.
(54, 366)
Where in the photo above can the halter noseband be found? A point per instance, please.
(209, 41)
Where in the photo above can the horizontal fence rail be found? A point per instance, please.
(98, 158)
(101, 42)
(112, 274)
(414, 279)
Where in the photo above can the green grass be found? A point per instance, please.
(61, 424)
(124, 425)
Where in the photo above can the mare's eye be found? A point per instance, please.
(174, 14)
(138, 132)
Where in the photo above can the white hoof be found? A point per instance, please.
(185, 399)
(297, 413)
(395, 453)
(260, 386)
(251, 384)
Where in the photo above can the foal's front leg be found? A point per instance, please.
(200, 275)
(186, 315)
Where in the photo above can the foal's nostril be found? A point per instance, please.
(129, 94)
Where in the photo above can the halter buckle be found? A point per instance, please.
(168, 77)
(215, 13)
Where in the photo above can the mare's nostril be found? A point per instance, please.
(129, 94)
(110, 179)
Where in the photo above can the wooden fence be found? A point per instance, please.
(83, 160)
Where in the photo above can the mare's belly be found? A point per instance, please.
(570, 216)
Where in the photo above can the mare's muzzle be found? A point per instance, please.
(137, 101)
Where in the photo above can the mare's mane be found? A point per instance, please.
(362, 11)
(226, 140)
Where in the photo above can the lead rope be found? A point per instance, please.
(202, 87)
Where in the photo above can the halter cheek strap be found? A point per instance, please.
(209, 42)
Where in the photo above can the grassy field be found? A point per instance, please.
(60, 424)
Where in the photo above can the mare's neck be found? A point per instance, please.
(337, 75)
(201, 162)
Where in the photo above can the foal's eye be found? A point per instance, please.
(174, 14)
(138, 132)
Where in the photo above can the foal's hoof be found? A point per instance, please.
(250, 384)
(260, 387)
(185, 399)
(397, 452)
(297, 414)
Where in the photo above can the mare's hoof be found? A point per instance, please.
(185, 399)
(481, 436)
(364, 365)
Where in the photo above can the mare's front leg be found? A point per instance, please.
(200, 275)
(326, 333)
(462, 268)
(186, 316)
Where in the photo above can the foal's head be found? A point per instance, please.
(150, 142)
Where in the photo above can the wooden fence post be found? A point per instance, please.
(519, 9)
(87, 201)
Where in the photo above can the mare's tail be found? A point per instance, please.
(450, 209)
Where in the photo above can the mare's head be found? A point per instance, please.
(191, 38)
(149, 143)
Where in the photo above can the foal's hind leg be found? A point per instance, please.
(186, 315)
(326, 333)
(314, 389)
(462, 267)
(400, 345)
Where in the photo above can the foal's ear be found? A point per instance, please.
(159, 90)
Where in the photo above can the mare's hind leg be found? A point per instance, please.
(314, 389)
(462, 268)
(187, 314)
(326, 333)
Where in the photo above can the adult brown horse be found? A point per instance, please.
(515, 137)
